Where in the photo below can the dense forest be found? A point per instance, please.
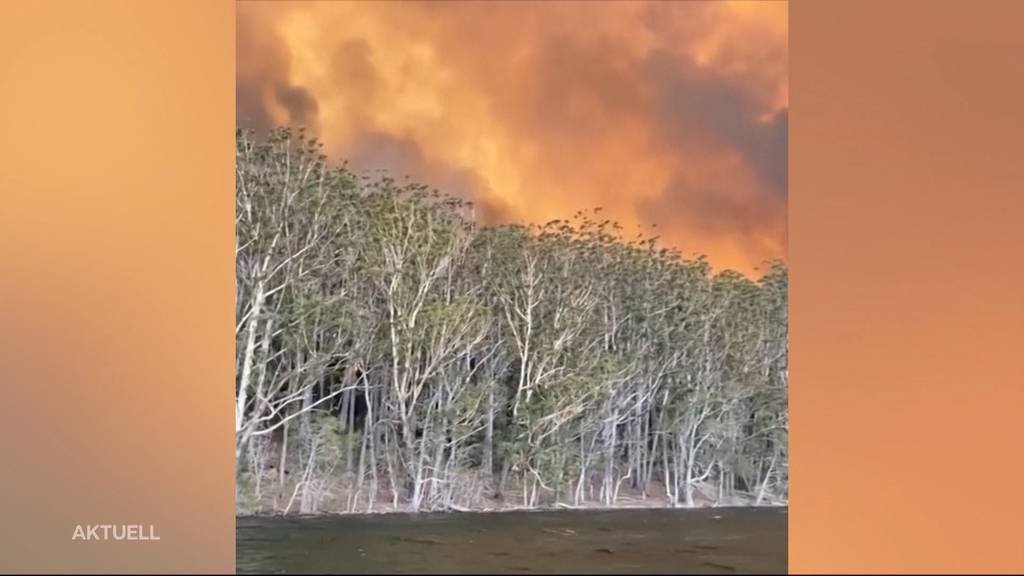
(394, 354)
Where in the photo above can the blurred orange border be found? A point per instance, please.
(117, 290)
(906, 299)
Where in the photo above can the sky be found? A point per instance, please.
(670, 116)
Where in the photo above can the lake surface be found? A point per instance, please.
(701, 541)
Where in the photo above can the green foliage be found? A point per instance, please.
(583, 337)
(246, 502)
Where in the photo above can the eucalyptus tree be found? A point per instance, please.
(416, 246)
(390, 348)
(282, 188)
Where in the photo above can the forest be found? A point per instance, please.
(394, 354)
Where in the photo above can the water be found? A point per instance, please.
(702, 541)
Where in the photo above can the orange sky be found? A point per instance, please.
(671, 116)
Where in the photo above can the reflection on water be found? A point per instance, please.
(703, 541)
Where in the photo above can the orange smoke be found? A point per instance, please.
(670, 116)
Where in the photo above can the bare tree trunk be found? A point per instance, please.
(391, 468)
(347, 416)
(488, 448)
(767, 477)
(284, 456)
(248, 358)
(686, 453)
(360, 474)
(671, 475)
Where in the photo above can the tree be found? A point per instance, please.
(389, 348)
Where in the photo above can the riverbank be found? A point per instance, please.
(630, 500)
(389, 510)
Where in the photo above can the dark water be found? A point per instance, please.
(703, 541)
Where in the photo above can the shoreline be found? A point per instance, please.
(508, 509)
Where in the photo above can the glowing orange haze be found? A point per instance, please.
(666, 114)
